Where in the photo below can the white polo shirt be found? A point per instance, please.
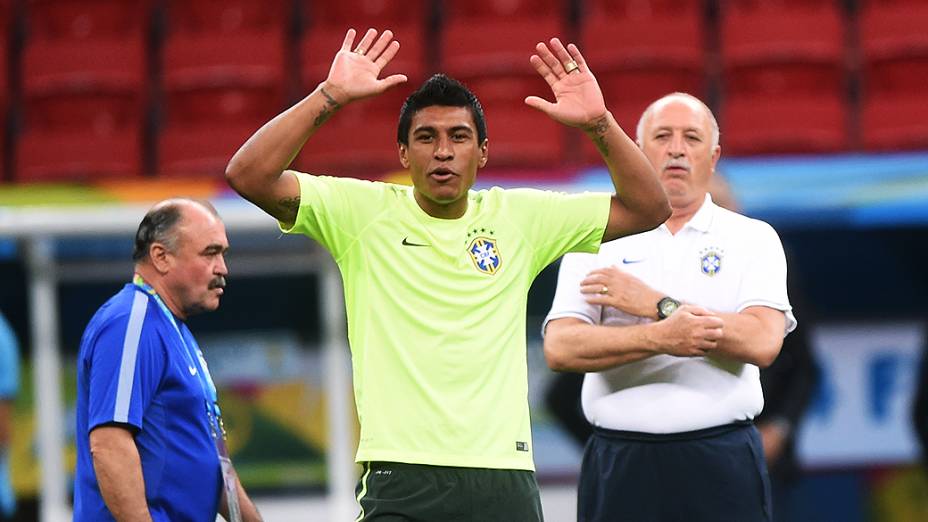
(720, 260)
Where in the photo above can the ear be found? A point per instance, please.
(716, 154)
(160, 258)
(484, 152)
(404, 156)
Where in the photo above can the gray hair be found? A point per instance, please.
(681, 96)
(160, 223)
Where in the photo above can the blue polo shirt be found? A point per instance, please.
(9, 387)
(133, 370)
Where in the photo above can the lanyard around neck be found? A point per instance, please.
(213, 414)
(190, 353)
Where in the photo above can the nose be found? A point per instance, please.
(676, 148)
(443, 149)
(221, 268)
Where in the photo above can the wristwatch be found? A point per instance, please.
(666, 307)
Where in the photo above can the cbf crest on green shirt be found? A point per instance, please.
(436, 311)
(485, 254)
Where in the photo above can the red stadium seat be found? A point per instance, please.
(893, 29)
(61, 65)
(783, 77)
(219, 77)
(4, 59)
(502, 46)
(626, 45)
(328, 22)
(227, 16)
(798, 124)
(498, 91)
(3, 178)
(6, 32)
(379, 14)
(87, 19)
(627, 36)
(84, 90)
(201, 150)
(776, 48)
(637, 85)
(770, 32)
(91, 84)
(894, 49)
(895, 122)
(78, 156)
(224, 75)
(628, 92)
(641, 8)
(84, 64)
(521, 136)
(320, 43)
(504, 8)
(357, 141)
(487, 46)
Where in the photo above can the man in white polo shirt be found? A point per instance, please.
(672, 326)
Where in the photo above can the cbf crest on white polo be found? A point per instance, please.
(485, 254)
(710, 260)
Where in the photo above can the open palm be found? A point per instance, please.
(355, 73)
(578, 98)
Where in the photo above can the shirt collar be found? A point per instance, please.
(702, 219)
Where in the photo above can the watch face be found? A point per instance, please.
(668, 306)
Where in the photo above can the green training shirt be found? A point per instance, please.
(436, 311)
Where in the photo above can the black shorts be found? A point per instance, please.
(712, 475)
(398, 492)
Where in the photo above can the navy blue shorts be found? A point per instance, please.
(716, 474)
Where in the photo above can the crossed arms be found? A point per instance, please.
(752, 336)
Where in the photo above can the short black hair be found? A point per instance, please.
(444, 91)
(159, 223)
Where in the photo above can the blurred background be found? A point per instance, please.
(109, 105)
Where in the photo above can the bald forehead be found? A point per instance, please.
(690, 102)
(198, 224)
(687, 107)
(677, 104)
(184, 205)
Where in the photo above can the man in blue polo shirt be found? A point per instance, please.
(9, 387)
(150, 444)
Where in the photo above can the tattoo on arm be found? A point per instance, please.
(598, 131)
(328, 110)
(290, 206)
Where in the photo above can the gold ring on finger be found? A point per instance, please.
(571, 66)
(360, 50)
(604, 290)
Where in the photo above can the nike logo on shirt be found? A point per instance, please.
(627, 261)
(407, 243)
(193, 371)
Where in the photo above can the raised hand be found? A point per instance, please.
(355, 69)
(578, 98)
